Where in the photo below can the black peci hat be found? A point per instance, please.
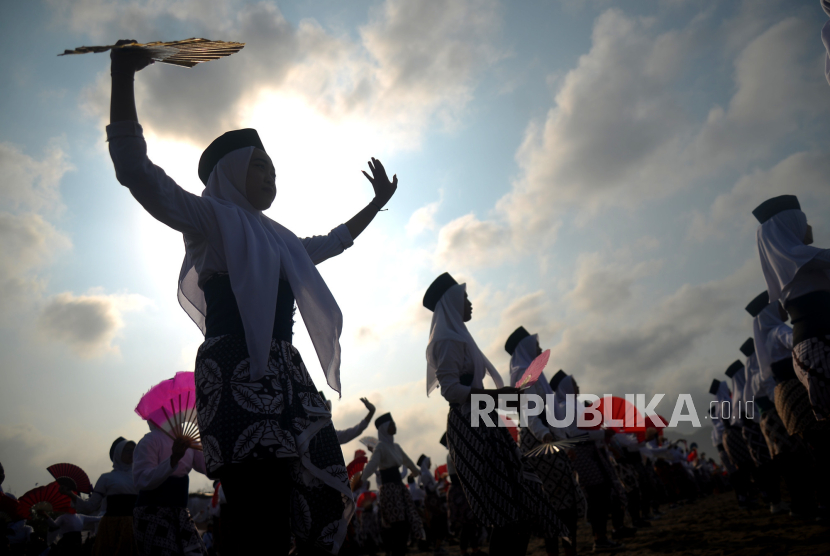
(224, 144)
(421, 459)
(758, 304)
(713, 389)
(437, 289)
(748, 347)
(382, 419)
(518, 335)
(443, 440)
(734, 368)
(118, 440)
(557, 378)
(771, 207)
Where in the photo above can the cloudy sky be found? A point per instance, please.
(587, 167)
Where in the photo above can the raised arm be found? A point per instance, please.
(384, 189)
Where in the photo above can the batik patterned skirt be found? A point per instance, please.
(755, 442)
(555, 471)
(279, 416)
(778, 440)
(115, 537)
(811, 361)
(458, 508)
(162, 531)
(736, 448)
(396, 505)
(500, 487)
(793, 405)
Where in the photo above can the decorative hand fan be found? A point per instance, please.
(553, 447)
(44, 499)
(71, 477)
(356, 481)
(369, 441)
(534, 370)
(186, 53)
(9, 509)
(171, 406)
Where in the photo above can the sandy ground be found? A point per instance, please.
(713, 525)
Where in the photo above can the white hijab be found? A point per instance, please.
(768, 349)
(563, 389)
(522, 357)
(738, 383)
(117, 463)
(427, 480)
(782, 250)
(383, 433)
(257, 250)
(448, 324)
(753, 384)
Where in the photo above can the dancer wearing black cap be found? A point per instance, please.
(503, 494)
(798, 275)
(117, 489)
(398, 513)
(263, 424)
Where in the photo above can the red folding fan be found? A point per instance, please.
(8, 508)
(44, 499)
(71, 477)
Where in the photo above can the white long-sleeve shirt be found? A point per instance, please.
(453, 360)
(114, 482)
(347, 435)
(151, 461)
(190, 214)
(388, 455)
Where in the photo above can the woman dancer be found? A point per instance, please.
(260, 415)
(115, 532)
(501, 492)
(161, 520)
(798, 275)
(554, 469)
(398, 513)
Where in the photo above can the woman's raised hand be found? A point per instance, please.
(384, 189)
(127, 60)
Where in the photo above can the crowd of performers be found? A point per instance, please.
(267, 436)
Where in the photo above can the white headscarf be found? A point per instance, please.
(427, 480)
(782, 250)
(522, 357)
(448, 324)
(753, 384)
(383, 433)
(738, 383)
(257, 250)
(767, 348)
(117, 463)
(563, 389)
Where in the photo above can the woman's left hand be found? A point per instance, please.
(384, 189)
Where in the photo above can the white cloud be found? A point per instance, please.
(87, 323)
(472, 243)
(423, 219)
(603, 284)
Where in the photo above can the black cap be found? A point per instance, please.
(713, 389)
(437, 289)
(518, 335)
(734, 368)
(748, 347)
(114, 444)
(224, 144)
(443, 440)
(382, 419)
(758, 304)
(557, 378)
(421, 459)
(771, 207)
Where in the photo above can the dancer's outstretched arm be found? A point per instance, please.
(123, 65)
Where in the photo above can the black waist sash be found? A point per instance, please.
(783, 370)
(223, 312)
(121, 505)
(810, 315)
(391, 475)
(172, 493)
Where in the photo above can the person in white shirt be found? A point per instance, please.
(397, 510)
(161, 520)
(117, 491)
(798, 275)
(66, 530)
(501, 491)
(260, 415)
